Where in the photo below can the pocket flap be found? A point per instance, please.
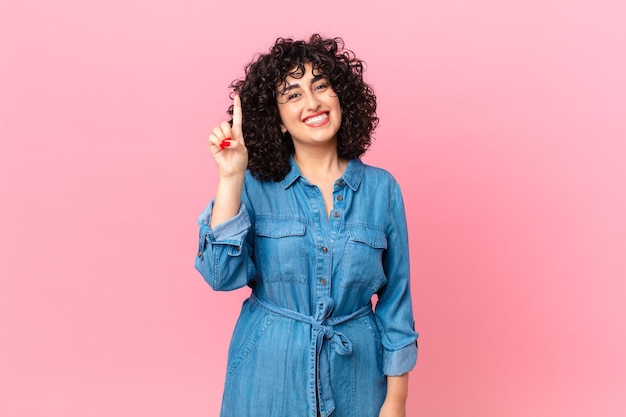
(280, 227)
(375, 238)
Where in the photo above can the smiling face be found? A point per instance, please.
(309, 108)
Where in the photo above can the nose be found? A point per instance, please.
(312, 101)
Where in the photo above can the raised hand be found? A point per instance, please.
(228, 146)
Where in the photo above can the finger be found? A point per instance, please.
(226, 130)
(237, 117)
(215, 142)
(219, 133)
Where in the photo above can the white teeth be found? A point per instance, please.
(317, 119)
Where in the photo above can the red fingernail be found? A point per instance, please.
(224, 144)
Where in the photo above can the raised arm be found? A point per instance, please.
(231, 157)
(223, 256)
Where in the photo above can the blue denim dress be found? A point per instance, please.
(307, 341)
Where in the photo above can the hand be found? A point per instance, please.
(393, 409)
(228, 146)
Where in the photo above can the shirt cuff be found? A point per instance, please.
(400, 361)
(233, 231)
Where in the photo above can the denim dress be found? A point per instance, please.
(308, 341)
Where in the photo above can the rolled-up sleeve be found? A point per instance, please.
(394, 312)
(224, 254)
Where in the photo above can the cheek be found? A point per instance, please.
(339, 112)
(287, 116)
(336, 105)
(282, 118)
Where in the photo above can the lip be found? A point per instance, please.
(317, 124)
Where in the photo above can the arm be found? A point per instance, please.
(397, 393)
(231, 157)
(223, 256)
(227, 199)
(394, 314)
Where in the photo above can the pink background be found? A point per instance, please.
(504, 122)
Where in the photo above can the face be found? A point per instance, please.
(309, 109)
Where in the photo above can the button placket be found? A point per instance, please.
(339, 184)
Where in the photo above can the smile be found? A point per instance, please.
(316, 120)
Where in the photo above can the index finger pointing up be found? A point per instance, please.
(237, 114)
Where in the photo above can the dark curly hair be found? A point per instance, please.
(268, 148)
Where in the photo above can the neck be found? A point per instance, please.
(317, 165)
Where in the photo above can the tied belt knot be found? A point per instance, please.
(329, 332)
(323, 330)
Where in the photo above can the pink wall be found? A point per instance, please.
(505, 123)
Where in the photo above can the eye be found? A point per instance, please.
(321, 87)
(288, 96)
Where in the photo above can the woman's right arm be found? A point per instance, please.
(231, 157)
(224, 252)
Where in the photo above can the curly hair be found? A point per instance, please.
(268, 148)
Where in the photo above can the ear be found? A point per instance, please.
(283, 128)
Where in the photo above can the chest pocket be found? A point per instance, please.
(281, 249)
(363, 265)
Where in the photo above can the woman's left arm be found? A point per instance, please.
(397, 393)
(394, 313)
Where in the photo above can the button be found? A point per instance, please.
(339, 198)
(339, 183)
(199, 254)
(335, 214)
(323, 281)
(324, 249)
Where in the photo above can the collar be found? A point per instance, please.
(293, 174)
(352, 176)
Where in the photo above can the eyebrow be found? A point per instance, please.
(296, 85)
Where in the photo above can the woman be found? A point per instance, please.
(314, 233)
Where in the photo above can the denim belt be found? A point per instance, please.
(323, 330)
